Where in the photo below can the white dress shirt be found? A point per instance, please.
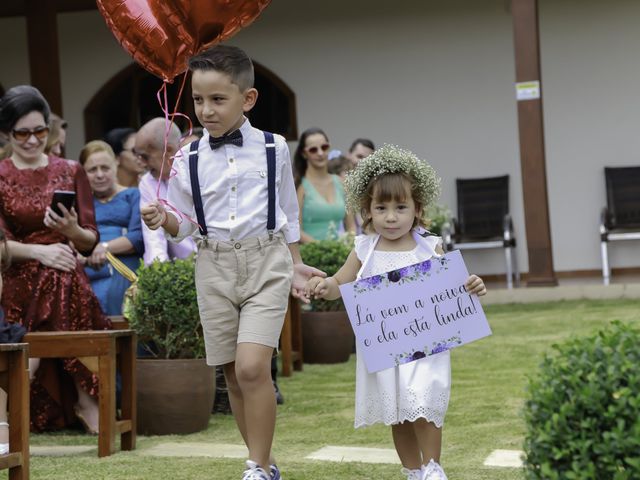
(156, 245)
(233, 186)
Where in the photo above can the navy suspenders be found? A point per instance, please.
(270, 148)
(195, 187)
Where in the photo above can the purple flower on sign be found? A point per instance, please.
(418, 355)
(441, 347)
(423, 267)
(396, 275)
(373, 281)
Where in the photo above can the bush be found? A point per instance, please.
(583, 409)
(328, 256)
(164, 309)
(438, 216)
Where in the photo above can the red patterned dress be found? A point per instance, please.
(44, 298)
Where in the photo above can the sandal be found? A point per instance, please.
(4, 447)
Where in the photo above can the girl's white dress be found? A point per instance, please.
(413, 390)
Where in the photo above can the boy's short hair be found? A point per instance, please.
(226, 59)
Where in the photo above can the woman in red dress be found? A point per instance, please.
(45, 289)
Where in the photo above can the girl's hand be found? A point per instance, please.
(301, 275)
(56, 255)
(65, 224)
(316, 287)
(475, 284)
(154, 215)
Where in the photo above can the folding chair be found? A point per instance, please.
(483, 220)
(620, 219)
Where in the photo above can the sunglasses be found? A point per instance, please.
(324, 147)
(23, 134)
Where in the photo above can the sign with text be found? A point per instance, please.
(416, 311)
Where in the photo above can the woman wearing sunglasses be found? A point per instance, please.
(320, 194)
(45, 288)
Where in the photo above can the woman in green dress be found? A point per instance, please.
(320, 195)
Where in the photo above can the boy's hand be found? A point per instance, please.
(301, 274)
(475, 284)
(154, 215)
(316, 287)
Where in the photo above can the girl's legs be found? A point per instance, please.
(253, 402)
(406, 443)
(429, 439)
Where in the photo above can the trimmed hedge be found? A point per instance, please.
(583, 409)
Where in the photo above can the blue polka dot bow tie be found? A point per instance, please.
(233, 138)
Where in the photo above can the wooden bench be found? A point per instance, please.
(291, 339)
(13, 361)
(102, 352)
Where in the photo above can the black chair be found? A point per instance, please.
(620, 219)
(483, 220)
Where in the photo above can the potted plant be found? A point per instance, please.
(327, 336)
(174, 384)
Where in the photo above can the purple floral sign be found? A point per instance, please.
(419, 310)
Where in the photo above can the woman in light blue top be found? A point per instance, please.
(320, 195)
(118, 218)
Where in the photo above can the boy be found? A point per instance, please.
(248, 236)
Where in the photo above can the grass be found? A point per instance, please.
(489, 379)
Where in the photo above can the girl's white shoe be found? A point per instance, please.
(412, 474)
(433, 471)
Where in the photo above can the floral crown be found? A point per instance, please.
(392, 159)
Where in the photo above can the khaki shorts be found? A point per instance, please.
(243, 293)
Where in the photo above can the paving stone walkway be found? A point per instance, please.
(329, 453)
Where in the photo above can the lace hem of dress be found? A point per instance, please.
(383, 409)
(430, 415)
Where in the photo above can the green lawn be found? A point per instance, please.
(489, 378)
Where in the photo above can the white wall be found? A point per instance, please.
(435, 77)
(591, 76)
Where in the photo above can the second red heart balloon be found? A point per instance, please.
(161, 35)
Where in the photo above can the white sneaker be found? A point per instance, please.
(255, 472)
(412, 474)
(433, 471)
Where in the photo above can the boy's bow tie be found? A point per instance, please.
(234, 138)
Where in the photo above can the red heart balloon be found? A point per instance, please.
(161, 35)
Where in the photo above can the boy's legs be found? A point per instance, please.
(406, 443)
(252, 400)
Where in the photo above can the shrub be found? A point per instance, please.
(164, 309)
(438, 216)
(583, 409)
(328, 256)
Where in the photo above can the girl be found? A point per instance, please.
(392, 189)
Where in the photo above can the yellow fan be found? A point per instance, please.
(122, 269)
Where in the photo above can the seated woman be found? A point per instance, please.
(130, 168)
(118, 217)
(323, 212)
(45, 288)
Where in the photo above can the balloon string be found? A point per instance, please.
(163, 101)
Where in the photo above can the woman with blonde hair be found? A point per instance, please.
(118, 218)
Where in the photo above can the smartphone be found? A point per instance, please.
(66, 198)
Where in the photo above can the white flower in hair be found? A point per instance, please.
(391, 159)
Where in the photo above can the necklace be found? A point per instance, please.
(108, 198)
